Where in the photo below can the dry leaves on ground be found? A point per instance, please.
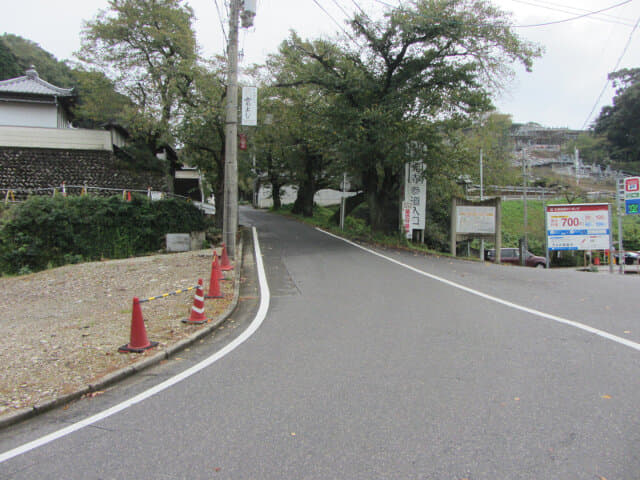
(60, 329)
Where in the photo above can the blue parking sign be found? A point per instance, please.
(632, 206)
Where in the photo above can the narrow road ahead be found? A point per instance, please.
(366, 369)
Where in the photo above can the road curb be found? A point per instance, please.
(110, 379)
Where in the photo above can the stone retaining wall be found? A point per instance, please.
(33, 168)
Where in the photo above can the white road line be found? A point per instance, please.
(255, 324)
(555, 318)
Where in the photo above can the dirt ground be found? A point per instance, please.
(60, 329)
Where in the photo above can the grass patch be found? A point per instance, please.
(356, 228)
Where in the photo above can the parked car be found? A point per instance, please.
(630, 258)
(512, 255)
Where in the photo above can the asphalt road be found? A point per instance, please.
(366, 369)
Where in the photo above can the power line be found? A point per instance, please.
(346, 14)
(624, 51)
(335, 21)
(385, 3)
(224, 33)
(359, 7)
(574, 18)
(573, 10)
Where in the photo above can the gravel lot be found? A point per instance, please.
(60, 329)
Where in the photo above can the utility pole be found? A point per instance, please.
(230, 219)
(621, 212)
(525, 182)
(481, 199)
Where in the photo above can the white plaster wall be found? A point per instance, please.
(288, 195)
(64, 138)
(28, 114)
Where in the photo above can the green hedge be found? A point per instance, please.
(47, 232)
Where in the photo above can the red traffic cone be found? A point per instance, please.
(197, 311)
(214, 283)
(225, 264)
(138, 341)
(220, 273)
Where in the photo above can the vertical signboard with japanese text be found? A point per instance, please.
(415, 197)
(578, 226)
(250, 106)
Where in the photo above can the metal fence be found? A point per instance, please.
(16, 195)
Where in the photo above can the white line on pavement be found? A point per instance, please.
(581, 326)
(255, 324)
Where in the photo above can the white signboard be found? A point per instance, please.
(415, 194)
(471, 219)
(578, 227)
(250, 106)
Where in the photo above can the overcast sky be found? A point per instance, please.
(560, 92)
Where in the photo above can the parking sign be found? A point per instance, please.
(632, 195)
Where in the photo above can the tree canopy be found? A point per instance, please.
(9, 67)
(148, 49)
(620, 122)
(410, 77)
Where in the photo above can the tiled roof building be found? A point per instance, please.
(30, 101)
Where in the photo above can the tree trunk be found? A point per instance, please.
(307, 187)
(382, 199)
(304, 200)
(275, 194)
(350, 205)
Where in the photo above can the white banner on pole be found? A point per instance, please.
(250, 106)
(406, 219)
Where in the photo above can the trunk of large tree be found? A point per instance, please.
(350, 205)
(308, 186)
(275, 194)
(382, 192)
(304, 200)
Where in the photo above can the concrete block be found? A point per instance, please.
(178, 242)
(197, 239)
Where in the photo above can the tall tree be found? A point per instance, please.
(9, 67)
(620, 122)
(97, 100)
(593, 148)
(148, 49)
(273, 144)
(490, 133)
(202, 129)
(427, 61)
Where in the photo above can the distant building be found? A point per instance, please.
(541, 145)
(39, 148)
(29, 101)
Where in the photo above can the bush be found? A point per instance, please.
(53, 231)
